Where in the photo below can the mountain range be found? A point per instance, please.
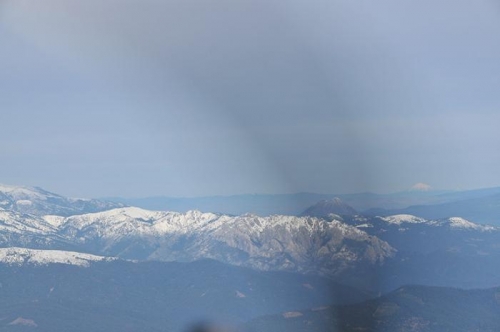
(374, 253)
(479, 205)
(152, 270)
(288, 243)
(484, 209)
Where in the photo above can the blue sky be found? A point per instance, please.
(190, 98)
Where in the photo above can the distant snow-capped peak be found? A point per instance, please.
(24, 193)
(458, 222)
(464, 224)
(37, 201)
(453, 222)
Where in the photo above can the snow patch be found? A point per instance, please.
(24, 322)
(24, 202)
(398, 219)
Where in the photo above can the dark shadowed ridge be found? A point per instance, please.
(326, 207)
(409, 308)
(295, 204)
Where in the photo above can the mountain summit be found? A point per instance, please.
(39, 202)
(331, 206)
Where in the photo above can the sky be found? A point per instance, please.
(222, 97)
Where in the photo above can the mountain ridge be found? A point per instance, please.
(296, 203)
(326, 207)
(351, 249)
(37, 201)
(16, 256)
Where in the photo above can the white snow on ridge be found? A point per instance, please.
(115, 216)
(21, 256)
(134, 221)
(18, 223)
(364, 226)
(130, 220)
(398, 219)
(453, 222)
(7, 188)
(461, 223)
(458, 222)
(132, 212)
(22, 193)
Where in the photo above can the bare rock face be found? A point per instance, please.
(300, 244)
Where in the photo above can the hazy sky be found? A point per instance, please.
(190, 98)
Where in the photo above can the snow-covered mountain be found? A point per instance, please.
(289, 243)
(301, 244)
(455, 223)
(343, 247)
(26, 230)
(410, 233)
(23, 256)
(463, 224)
(36, 201)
